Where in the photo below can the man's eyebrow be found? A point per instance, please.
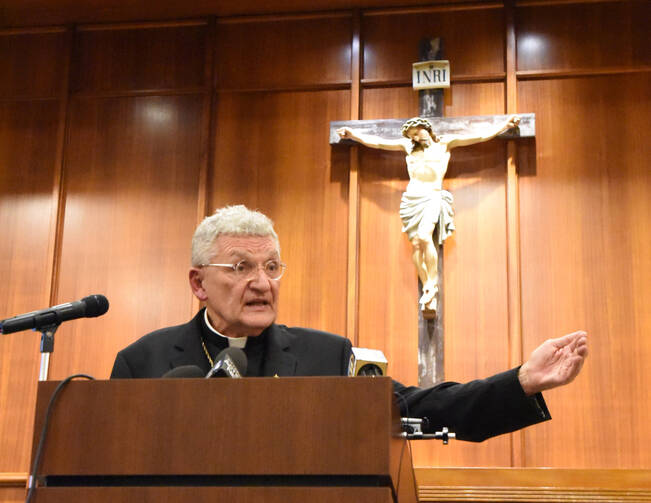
(239, 254)
(242, 254)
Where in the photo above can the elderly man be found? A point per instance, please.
(236, 270)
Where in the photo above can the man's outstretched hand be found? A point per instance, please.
(554, 363)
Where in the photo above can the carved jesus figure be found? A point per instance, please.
(425, 208)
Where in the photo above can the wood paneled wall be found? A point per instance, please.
(585, 240)
(115, 140)
(32, 110)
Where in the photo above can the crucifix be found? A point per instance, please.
(426, 209)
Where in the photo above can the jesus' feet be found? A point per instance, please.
(428, 301)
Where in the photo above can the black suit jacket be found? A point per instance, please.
(290, 352)
(474, 411)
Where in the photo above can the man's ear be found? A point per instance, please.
(196, 283)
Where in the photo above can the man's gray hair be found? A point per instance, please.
(230, 220)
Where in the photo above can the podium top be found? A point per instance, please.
(252, 426)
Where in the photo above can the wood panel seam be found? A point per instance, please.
(208, 141)
(513, 264)
(352, 272)
(59, 181)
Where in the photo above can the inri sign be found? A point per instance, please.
(431, 74)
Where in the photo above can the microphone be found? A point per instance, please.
(183, 371)
(88, 307)
(231, 362)
(367, 362)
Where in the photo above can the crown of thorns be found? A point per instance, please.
(416, 122)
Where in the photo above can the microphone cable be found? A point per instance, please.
(41, 442)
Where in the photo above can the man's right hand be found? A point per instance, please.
(555, 362)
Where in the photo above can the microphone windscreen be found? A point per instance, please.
(96, 305)
(237, 356)
(183, 371)
(367, 362)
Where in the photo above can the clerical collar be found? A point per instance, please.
(233, 342)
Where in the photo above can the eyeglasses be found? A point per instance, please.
(247, 270)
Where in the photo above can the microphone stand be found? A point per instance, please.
(47, 347)
(412, 429)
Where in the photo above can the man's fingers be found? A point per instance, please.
(564, 341)
(582, 346)
(569, 339)
(575, 367)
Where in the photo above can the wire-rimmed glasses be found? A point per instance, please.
(245, 269)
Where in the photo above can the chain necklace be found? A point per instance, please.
(205, 350)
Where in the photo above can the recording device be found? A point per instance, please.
(367, 362)
(88, 307)
(183, 371)
(231, 362)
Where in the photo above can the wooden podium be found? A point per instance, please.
(294, 439)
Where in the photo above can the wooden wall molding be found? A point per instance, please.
(507, 484)
(489, 77)
(532, 494)
(10, 479)
(13, 99)
(331, 86)
(32, 31)
(142, 25)
(283, 17)
(583, 72)
(441, 7)
(45, 12)
(532, 485)
(538, 3)
(142, 92)
(520, 75)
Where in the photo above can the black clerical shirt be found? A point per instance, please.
(255, 349)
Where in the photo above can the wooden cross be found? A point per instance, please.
(431, 330)
(390, 128)
(430, 323)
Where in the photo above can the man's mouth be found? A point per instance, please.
(257, 303)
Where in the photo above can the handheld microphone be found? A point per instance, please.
(88, 307)
(183, 371)
(231, 362)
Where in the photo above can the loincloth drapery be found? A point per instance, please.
(418, 211)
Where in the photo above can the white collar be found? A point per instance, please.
(233, 342)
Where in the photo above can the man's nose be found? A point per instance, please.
(259, 279)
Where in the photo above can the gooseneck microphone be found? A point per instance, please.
(231, 362)
(88, 307)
